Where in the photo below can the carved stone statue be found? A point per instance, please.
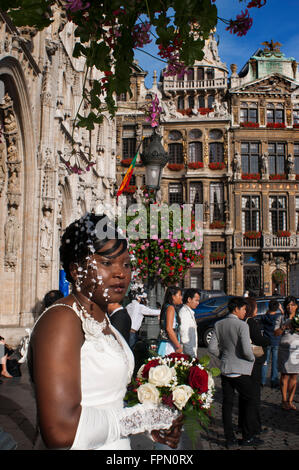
(46, 232)
(169, 110)
(237, 165)
(264, 165)
(12, 233)
(290, 164)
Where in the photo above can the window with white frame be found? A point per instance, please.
(195, 193)
(250, 157)
(278, 213)
(175, 193)
(276, 152)
(250, 213)
(195, 152)
(248, 112)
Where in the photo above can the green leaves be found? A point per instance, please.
(35, 13)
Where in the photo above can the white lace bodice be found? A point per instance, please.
(107, 365)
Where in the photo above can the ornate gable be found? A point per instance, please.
(272, 84)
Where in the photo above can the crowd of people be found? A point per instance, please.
(80, 405)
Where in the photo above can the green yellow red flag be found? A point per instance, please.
(125, 182)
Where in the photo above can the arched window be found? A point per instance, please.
(181, 104)
(191, 101)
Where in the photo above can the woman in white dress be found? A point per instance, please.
(169, 322)
(80, 364)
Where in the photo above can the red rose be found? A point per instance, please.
(179, 356)
(167, 400)
(148, 366)
(198, 378)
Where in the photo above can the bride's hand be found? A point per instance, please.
(171, 436)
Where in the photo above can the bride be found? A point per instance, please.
(79, 363)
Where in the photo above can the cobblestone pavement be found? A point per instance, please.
(18, 417)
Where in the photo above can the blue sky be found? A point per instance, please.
(277, 20)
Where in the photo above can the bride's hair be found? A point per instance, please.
(86, 236)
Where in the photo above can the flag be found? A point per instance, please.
(125, 182)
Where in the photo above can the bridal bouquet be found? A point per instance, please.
(179, 382)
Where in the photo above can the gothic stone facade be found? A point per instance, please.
(40, 88)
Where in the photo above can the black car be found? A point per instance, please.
(206, 324)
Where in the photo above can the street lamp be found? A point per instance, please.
(154, 158)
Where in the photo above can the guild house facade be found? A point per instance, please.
(233, 145)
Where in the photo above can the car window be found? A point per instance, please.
(262, 307)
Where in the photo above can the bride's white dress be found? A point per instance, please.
(107, 365)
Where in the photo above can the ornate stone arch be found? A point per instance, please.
(20, 195)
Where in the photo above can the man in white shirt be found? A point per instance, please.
(137, 310)
(188, 326)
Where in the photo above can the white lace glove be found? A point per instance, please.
(141, 418)
(97, 427)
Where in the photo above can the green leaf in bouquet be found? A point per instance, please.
(192, 426)
(214, 371)
(204, 360)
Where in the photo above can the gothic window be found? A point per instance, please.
(275, 114)
(250, 157)
(195, 193)
(175, 193)
(250, 213)
(248, 113)
(195, 152)
(216, 202)
(278, 213)
(276, 153)
(175, 153)
(216, 152)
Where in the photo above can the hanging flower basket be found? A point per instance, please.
(217, 166)
(175, 166)
(126, 161)
(252, 234)
(217, 256)
(250, 124)
(251, 176)
(195, 165)
(278, 177)
(283, 233)
(276, 125)
(130, 189)
(278, 277)
(217, 224)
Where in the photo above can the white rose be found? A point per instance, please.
(148, 393)
(161, 375)
(180, 395)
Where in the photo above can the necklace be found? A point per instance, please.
(87, 314)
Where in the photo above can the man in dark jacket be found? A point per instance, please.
(268, 324)
(120, 319)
